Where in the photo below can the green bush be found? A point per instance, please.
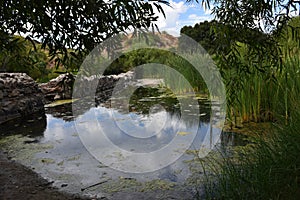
(20, 55)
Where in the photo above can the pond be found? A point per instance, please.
(71, 150)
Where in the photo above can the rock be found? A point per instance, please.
(19, 96)
(58, 88)
(27, 91)
(57, 97)
(1, 95)
(15, 93)
(101, 87)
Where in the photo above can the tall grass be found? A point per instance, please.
(178, 74)
(264, 96)
(268, 168)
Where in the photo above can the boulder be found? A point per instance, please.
(101, 87)
(58, 88)
(20, 96)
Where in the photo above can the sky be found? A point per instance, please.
(181, 14)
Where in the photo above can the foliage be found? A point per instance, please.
(261, 71)
(246, 84)
(244, 22)
(19, 56)
(251, 43)
(203, 33)
(79, 25)
(263, 15)
(246, 44)
(266, 95)
(288, 37)
(135, 58)
(267, 168)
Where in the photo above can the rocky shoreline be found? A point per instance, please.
(21, 96)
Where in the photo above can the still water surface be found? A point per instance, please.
(55, 146)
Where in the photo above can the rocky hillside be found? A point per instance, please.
(163, 40)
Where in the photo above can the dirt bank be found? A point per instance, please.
(19, 182)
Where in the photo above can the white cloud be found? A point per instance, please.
(193, 18)
(174, 22)
(172, 14)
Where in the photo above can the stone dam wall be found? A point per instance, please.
(101, 87)
(20, 96)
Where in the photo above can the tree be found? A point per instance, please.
(20, 56)
(204, 33)
(244, 21)
(76, 24)
(253, 23)
(246, 38)
(289, 38)
(266, 15)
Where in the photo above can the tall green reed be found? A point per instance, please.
(267, 168)
(260, 95)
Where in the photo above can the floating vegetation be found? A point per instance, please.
(17, 148)
(47, 160)
(77, 157)
(131, 184)
(182, 133)
(123, 184)
(60, 102)
(157, 185)
(61, 163)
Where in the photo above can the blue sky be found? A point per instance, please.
(180, 14)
